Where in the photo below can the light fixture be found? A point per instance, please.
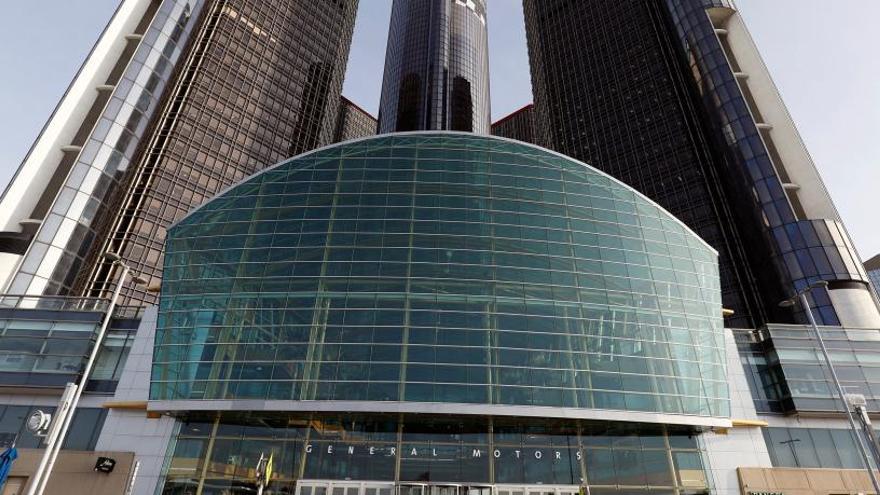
(38, 423)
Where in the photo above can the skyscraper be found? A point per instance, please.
(177, 100)
(519, 125)
(436, 67)
(352, 122)
(672, 98)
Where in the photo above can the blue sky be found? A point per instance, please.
(822, 55)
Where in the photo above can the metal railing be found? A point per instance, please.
(56, 303)
(68, 303)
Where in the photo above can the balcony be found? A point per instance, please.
(46, 340)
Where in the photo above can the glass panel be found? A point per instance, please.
(689, 468)
(508, 284)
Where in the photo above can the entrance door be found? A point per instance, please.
(553, 490)
(375, 489)
(537, 490)
(312, 487)
(327, 487)
(412, 489)
(444, 489)
(345, 489)
(476, 490)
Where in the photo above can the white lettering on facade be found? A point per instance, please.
(475, 453)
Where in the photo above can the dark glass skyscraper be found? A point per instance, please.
(436, 67)
(177, 101)
(672, 97)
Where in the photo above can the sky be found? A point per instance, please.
(822, 55)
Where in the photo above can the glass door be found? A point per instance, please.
(537, 490)
(476, 490)
(444, 489)
(345, 488)
(312, 487)
(378, 489)
(412, 489)
(322, 487)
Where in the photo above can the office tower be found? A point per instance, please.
(177, 100)
(437, 313)
(672, 98)
(436, 67)
(353, 122)
(519, 125)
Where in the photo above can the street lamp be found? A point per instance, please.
(47, 462)
(802, 297)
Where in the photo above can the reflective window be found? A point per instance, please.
(425, 448)
(812, 448)
(82, 435)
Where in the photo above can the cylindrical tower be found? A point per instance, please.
(436, 67)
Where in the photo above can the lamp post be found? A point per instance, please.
(801, 297)
(47, 462)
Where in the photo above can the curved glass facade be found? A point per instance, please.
(440, 268)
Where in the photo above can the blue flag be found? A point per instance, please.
(6, 459)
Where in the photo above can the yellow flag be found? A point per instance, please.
(268, 474)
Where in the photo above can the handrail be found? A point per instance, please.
(67, 303)
(60, 303)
